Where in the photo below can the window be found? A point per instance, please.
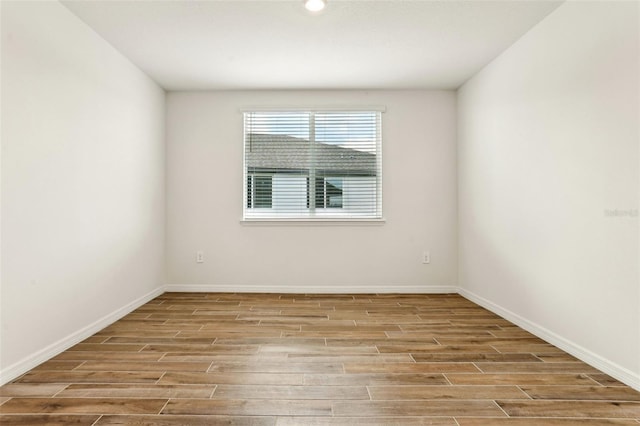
(329, 193)
(312, 165)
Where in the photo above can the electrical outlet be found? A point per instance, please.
(426, 257)
(199, 257)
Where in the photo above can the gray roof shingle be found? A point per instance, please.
(269, 152)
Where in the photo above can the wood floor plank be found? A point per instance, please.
(251, 407)
(104, 347)
(605, 379)
(90, 377)
(375, 379)
(542, 348)
(118, 338)
(598, 409)
(585, 393)
(511, 332)
(398, 319)
(198, 348)
(277, 320)
(216, 358)
(276, 315)
(444, 328)
(260, 327)
(380, 342)
(31, 389)
(136, 391)
(352, 359)
(172, 317)
(520, 379)
(417, 408)
(475, 357)
(271, 341)
(294, 348)
(233, 334)
(337, 334)
(436, 367)
(215, 349)
(493, 341)
(135, 334)
(555, 357)
(353, 327)
(538, 367)
(144, 366)
(277, 367)
(232, 378)
(168, 420)
(400, 393)
(366, 421)
(465, 421)
(153, 325)
(48, 420)
(82, 406)
(95, 339)
(435, 348)
(108, 356)
(271, 392)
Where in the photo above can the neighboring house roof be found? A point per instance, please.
(268, 152)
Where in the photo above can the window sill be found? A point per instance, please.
(312, 222)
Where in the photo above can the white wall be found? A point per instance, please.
(82, 183)
(204, 190)
(548, 152)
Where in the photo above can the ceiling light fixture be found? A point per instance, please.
(314, 5)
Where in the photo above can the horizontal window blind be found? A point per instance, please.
(312, 165)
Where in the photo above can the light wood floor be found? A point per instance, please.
(281, 359)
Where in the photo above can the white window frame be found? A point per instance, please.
(327, 215)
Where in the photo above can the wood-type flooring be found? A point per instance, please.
(295, 359)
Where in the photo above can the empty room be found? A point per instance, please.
(349, 212)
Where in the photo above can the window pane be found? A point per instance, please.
(333, 196)
(320, 193)
(263, 191)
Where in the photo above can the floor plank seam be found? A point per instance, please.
(164, 406)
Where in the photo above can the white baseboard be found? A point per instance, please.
(325, 289)
(614, 370)
(19, 368)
